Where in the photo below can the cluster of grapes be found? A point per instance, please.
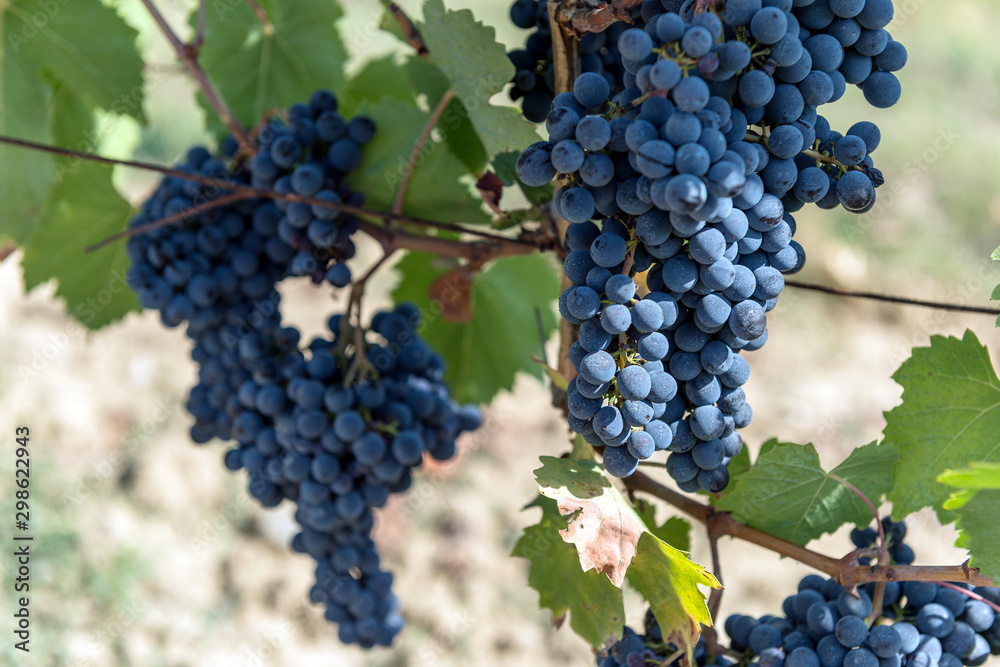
(534, 81)
(224, 256)
(921, 624)
(308, 432)
(334, 426)
(695, 174)
(776, 68)
(684, 208)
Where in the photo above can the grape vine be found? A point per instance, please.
(682, 138)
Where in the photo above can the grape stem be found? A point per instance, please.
(871, 507)
(265, 22)
(418, 147)
(360, 361)
(715, 597)
(975, 596)
(676, 655)
(410, 32)
(820, 157)
(847, 571)
(189, 56)
(199, 35)
(754, 138)
(883, 552)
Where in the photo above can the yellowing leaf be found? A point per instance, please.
(594, 604)
(610, 537)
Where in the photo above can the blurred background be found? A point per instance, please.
(148, 552)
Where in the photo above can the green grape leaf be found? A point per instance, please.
(788, 494)
(610, 537)
(950, 415)
(455, 124)
(995, 296)
(86, 45)
(434, 191)
(485, 354)
(977, 525)
(389, 23)
(595, 607)
(582, 449)
(477, 66)
(996, 254)
(505, 166)
(975, 506)
(26, 176)
(378, 79)
(258, 68)
(976, 477)
(669, 580)
(89, 48)
(675, 531)
(82, 209)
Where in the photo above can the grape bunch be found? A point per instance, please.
(662, 371)
(693, 174)
(534, 81)
(336, 425)
(921, 624)
(228, 255)
(338, 446)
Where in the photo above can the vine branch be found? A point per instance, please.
(846, 571)
(189, 57)
(418, 147)
(566, 64)
(505, 246)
